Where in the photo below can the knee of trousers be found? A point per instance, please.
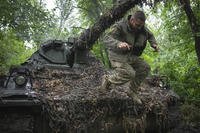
(126, 73)
(144, 69)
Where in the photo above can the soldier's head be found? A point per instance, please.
(137, 20)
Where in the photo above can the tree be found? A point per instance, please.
(27, 17)
(13, 51)
(65, 7)
(20, 21)
(195, 27)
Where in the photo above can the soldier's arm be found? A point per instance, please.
(114, 36)
(114, 39)
(152, 40)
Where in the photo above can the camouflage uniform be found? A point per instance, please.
(127, 65)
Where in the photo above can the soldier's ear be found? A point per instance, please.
(129, 17)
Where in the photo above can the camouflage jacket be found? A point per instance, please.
(122, 32)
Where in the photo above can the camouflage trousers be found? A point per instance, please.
(135, 70)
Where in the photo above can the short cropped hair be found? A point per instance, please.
(139, 15)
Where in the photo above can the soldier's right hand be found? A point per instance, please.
(124, 46)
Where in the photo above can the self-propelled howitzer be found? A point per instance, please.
(58, 90)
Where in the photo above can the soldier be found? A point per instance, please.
(125, 43)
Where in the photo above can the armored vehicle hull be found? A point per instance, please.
(47, 95)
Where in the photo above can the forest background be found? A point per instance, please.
(25, 24)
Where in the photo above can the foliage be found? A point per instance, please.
(190, 114)
(62, 20)
(177, 58)
(192, 84)
(13, 51)
(20, 21)
(100, 52)
(27, 17)
(91, 10)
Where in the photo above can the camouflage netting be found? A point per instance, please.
(75, 104)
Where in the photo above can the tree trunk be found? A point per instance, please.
(193, 24)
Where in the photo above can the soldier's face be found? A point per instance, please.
(136, 23)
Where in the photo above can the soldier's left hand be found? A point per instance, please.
(155, 47)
